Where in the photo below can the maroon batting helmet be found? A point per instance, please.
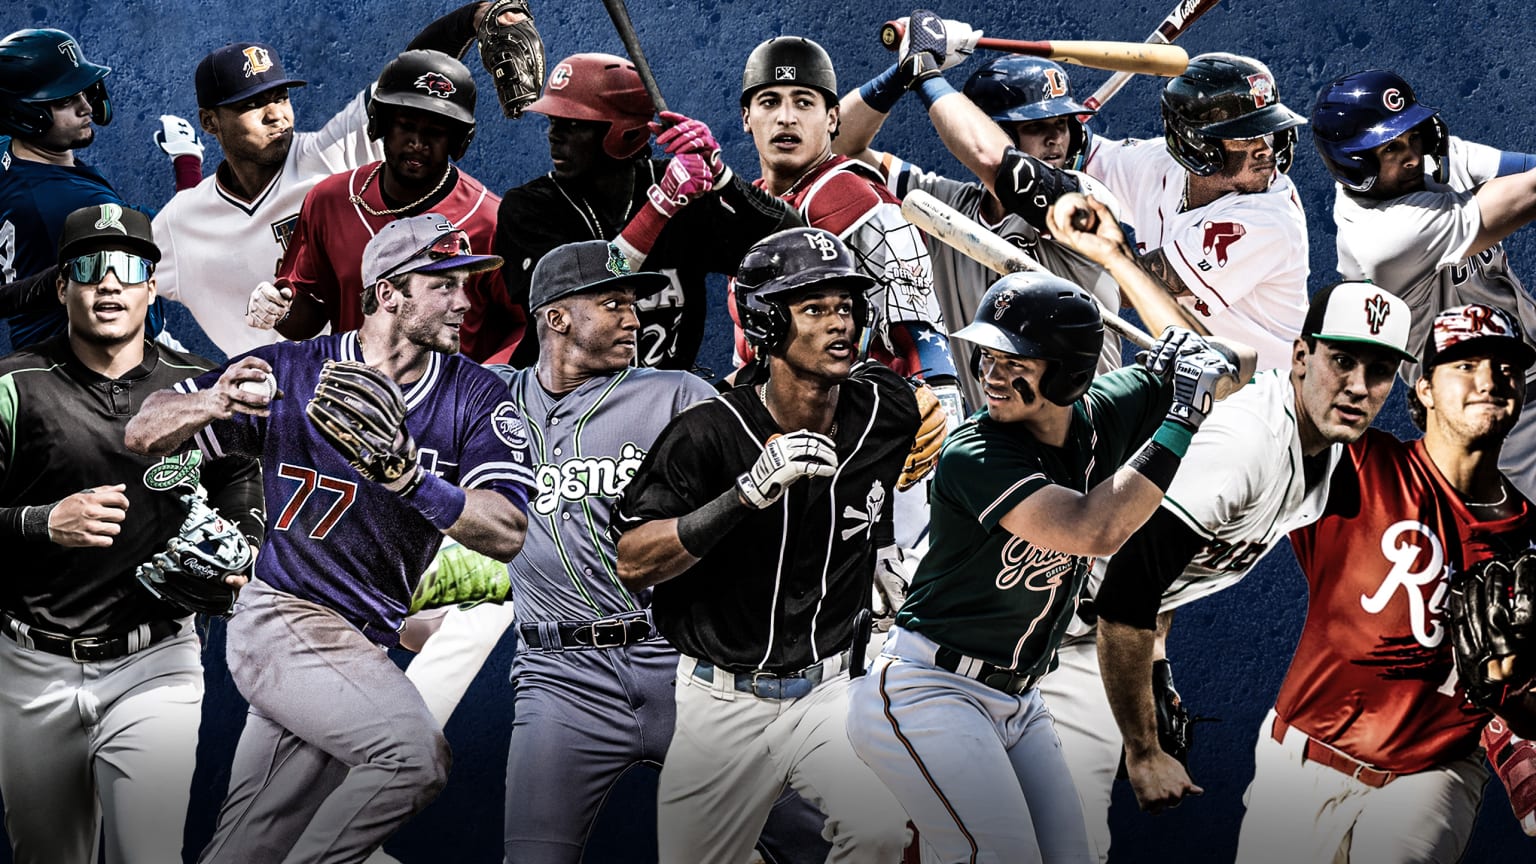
(603, 88)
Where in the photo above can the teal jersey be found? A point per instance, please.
(984, 592)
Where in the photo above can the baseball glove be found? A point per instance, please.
(361, 412)
(513, 54)
(1175, 728)
(190, 572)
(1492, 610)
(925, 445)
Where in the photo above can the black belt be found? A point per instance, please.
(1010, 682)
(89, 649)
(606, 633)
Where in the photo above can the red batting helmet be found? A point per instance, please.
(604, 88)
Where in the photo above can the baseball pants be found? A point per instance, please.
(87, 748)
(731, 755)
(1090, 740)
(338, 748)
(1301, 812)
(980, 771)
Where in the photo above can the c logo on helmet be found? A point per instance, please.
(1055, 84)
(1393, 99)
(560, 77)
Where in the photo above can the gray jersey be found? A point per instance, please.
(586, 446)
(959, 280)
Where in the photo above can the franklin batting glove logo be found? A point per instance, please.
(560, 77)
(436, 84)
(257, 60)
(181, 471)
(111, 217)
(1376, 311)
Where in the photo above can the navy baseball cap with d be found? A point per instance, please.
(591, 265)
(237, 72)
(1362, 313)
(1476, 328)
(420, 244)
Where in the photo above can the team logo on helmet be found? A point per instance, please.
(436, 84)
(617, 264)
(1262, 88)
(822, 244)
(1055, 84)
(69, 49)
(1219, 236)
(172, 472)
(1000, 305)
(561, 76)
(1393, 99)
(508, 426)
(257, 60)
(1376, 311)
(111, 217)
(783, 73)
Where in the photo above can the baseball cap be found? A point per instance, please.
(239, 71)
(1475, 328)
(107, 226)
(420, 244)
(591, 265)
(1360, 312)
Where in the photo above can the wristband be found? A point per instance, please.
(1156, 463)
(438, 500)
(188, 170)
(700, 530)
(934, 89)
(1515, 163)
(1175, 436)
(883, 91)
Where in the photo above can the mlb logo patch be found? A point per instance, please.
(783, 73)
(257, 61)
(435, 84)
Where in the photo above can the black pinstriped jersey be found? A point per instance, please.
(780, 591)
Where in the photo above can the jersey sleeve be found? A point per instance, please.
(1395, 244)
(985, 480)
(691, 389)
(1114, 162)
(1242, 242)
(715, 232)
(902, 177)
(679, 473)
(305, 264)
(342, 143)
(240, 433)
(1479, 161)
(166, 287)
(1230, 467)
(495, 454)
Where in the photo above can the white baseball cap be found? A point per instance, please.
(1360, 312)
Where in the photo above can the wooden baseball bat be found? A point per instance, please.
(1148, 59)
(971, 237)
(620, 15)
(1185, 13)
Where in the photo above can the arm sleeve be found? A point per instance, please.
(450, 34)
(1144, 568)
(305, 265)
(234, 489)
(38, 292)
(342, 143)
(495, 456)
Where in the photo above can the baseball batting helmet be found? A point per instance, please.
(1043, 316)
(789, 60)
(604, 88)
(1225, 97)
(1014, 88)
(789, 261)
(428, 81)
(41, 66)
(1358, 113)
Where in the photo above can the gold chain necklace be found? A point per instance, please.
(358, 198)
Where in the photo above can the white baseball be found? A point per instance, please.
(267, 387)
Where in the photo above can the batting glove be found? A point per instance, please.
(786, 458)
(1194, 366)
(268, 305)
(686, 135)
(959, 40)
(177, 138)
(890, 588)
(687, 177)
(924, 48)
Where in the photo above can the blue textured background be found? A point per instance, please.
(1471, 59)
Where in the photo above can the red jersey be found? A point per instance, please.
(325, 255)
(1374, 676)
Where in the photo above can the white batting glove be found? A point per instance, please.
(267, 306)
(890, 588)
(786, 458)
(177, 137)
(959, 41)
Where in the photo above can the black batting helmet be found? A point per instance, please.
(41, 66)
(1225, 97)
(787, 61)
(790, 261)
(1046, 317)
(427, 81)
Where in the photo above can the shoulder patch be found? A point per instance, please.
(507, 423)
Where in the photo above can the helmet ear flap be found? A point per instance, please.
(976, 363)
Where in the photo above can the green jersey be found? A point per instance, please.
(984, 592)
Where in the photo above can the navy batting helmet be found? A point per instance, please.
(1047, 317)
(42, 66)
(1225, 97)
(789, 61)
(1358, 113)
(427, 81)
(790, 261)
(1015, 88)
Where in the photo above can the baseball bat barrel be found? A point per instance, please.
(1178, 21)
(620, 15)
(1140, 57)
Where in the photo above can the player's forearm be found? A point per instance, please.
(234, 489)
(858, 124)
(1152, 299)
(651, 554)
(1125, 664)
(305, 318)
(167, 419)
(1506, 204)
(1096, 524)
(450, 34)
(490, 524)
(34, 293)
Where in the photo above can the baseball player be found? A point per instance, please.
(1265, 460)
(51, 100)
(1370, 753)
(1430, 231)
(756, 516)
(1059, 468)
(103, 680)
(605, 186)
(422, 109)
(328, 779)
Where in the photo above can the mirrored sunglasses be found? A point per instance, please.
(89, 269)
(449, 245)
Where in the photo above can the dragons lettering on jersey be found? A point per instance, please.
(1404, 544)
(865, 519)
(583, 477)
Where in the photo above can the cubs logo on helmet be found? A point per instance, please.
(436, 84)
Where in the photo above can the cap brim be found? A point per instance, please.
(644, 284)
(1399, 352)
(1522, 351)
(472, 263)
(259, 88)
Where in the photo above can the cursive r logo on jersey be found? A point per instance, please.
(1405, 544)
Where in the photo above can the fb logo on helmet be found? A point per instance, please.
(1262, 88)
(1055, 85)
(257, 60)
(822, 244)
(560, 77)
(436, 84)
(1392, 98)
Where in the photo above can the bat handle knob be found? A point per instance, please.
(890, 34)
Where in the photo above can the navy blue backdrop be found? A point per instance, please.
(1472, 60)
